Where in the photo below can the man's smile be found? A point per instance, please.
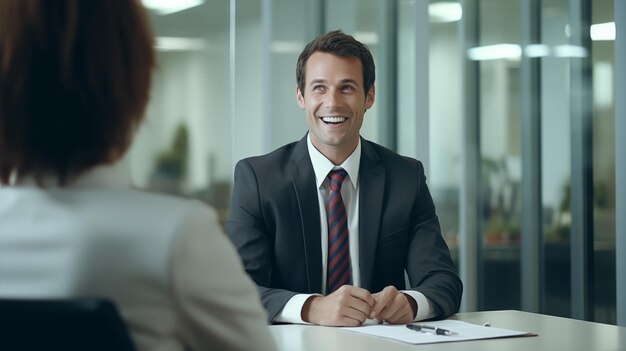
(333, 119)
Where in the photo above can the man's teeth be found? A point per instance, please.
(333, 119)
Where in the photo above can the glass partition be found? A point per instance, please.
(445, 116)
(500, 149)
(604, 190)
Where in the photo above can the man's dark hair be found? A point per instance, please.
(339, 44)
(74, 83)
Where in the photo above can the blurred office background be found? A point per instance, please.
(509, 103)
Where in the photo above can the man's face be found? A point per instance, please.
(334, 101)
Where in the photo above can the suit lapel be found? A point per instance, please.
(371, 194)
(303, 180)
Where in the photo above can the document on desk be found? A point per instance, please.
(461, 331)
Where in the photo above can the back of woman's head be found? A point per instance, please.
(74, 83)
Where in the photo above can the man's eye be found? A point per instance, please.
(318, 87)
(347, 88)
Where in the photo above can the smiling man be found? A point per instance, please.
(327, 226)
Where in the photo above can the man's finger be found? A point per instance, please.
(360, 305)
(383, 300)
(400, 315)
(363, 295)
(356, 315)
(378, 307)
(387, 312)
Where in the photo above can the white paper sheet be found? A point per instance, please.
(462, 331)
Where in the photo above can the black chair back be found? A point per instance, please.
(62, 325)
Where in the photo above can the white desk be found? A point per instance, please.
(554, 333)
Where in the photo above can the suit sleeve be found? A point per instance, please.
(247, 228)
(429, 266)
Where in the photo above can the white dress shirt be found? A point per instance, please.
(166, 263)
(291, 313)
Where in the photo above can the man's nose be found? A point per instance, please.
(333, 98)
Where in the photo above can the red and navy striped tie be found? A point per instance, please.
(338, 273)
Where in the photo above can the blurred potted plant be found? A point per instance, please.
(500, 197)
(170, 165)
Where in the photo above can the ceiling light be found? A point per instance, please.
(495, 52)
(165, 7)
(445, 12)
(286, 47)
(570, 51)
(180, 44)
(602, 31)
(367, 38)
(537, 50)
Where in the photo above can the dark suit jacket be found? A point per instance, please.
(274, 222)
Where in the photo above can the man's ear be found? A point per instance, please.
(369, 98)
(300, 97)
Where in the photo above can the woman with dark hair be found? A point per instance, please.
(74, 82)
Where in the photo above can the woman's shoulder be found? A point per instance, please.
(157, 203)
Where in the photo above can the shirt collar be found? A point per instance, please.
(322, 166)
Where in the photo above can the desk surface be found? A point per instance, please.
(554, 333)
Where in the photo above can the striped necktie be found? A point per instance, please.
(338, 273)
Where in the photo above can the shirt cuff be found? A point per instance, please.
(292, 312)
(424, 311)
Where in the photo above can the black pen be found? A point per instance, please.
(428, 328)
